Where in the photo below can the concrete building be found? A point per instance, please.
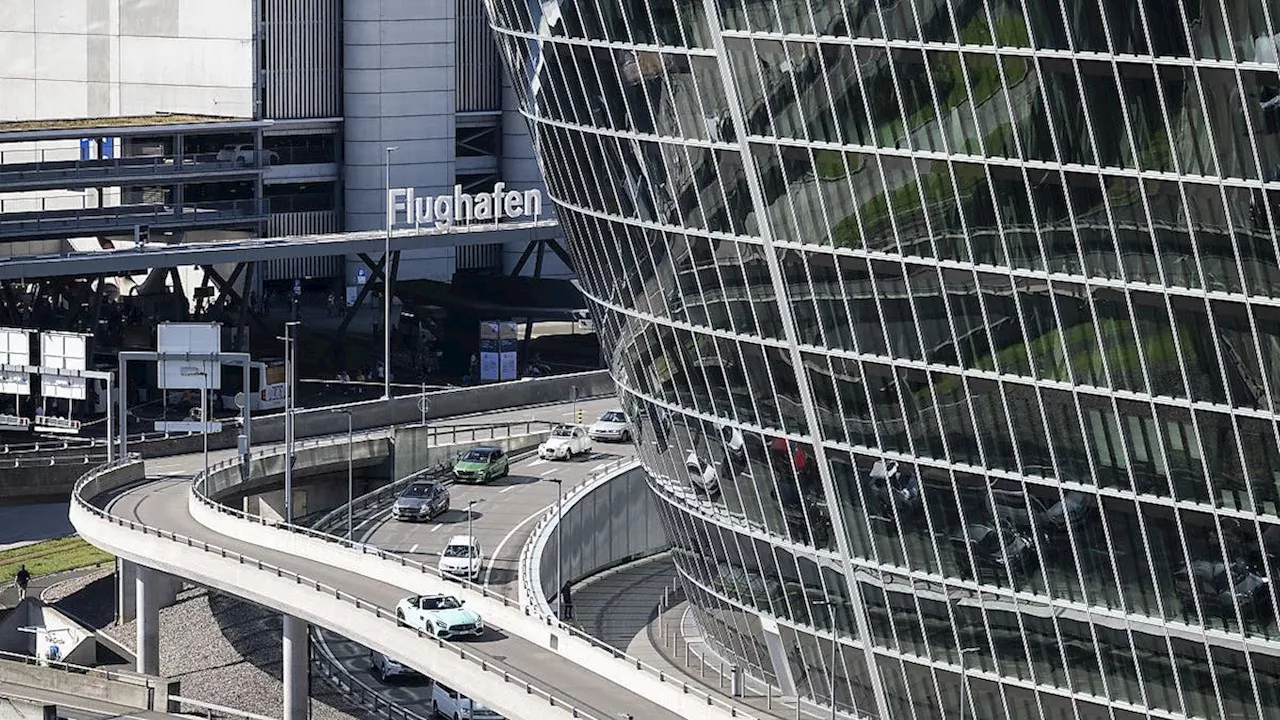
(290, 106)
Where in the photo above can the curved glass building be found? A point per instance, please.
(952, 329)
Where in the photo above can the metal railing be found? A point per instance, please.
(324, 664)
(128, 678)
(485, 663)
(211, 711)
(537, 604)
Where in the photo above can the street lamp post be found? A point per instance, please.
(290, 367)
(559, 593)
(204, 413)
(350, 474)
(386, 281)
(964, 679)
(831, 668)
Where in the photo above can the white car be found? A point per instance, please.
(612, 426)
(565, 442)
(384, 668)
(246, 155)
(442, 616)
(704, 476)
(449, 703)
(462, 557)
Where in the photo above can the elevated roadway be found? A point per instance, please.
(518, 669)
(250, 250)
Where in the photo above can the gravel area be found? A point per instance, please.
(227, 652)
(89, 598)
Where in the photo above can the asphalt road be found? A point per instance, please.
(163, 503)
(505, 514)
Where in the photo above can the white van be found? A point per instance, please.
(449, 703)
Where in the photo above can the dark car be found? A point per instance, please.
(1030, 514)
(1219, 586)
(995, 552)
(888, 488)
(421, 501)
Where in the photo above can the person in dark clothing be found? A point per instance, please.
(24, 579)
(566, 602)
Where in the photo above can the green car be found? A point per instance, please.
(481, 464)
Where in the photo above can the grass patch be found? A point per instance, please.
(51, 556)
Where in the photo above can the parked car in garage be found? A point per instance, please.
(462, 557)
(613, 426)
(386, 669)
(442, 616)
(565, 442)
(449, 703)
(481, 464)
(421, 501)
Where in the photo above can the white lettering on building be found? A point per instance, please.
(405, 207)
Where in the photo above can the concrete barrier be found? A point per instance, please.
(401, 411)
(120, 688)
(609, 520)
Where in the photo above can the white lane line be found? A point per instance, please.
(507, 489)
(597, 468)
(537, 462)
(488, 573)
(413, 549)
(366, 521)
(548, 472)
(436, 527)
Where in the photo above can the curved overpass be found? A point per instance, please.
(524, 668)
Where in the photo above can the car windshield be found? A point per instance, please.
(562, 432)
(457, 551)
(476, 456)
(440, 603)
(418, 491)
(613, 417)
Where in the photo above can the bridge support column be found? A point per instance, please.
(147, 614)
(297, 669)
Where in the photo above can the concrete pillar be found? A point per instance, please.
(147, 611)
(297, 669)
(126, 589)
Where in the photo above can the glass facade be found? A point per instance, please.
(950, 329)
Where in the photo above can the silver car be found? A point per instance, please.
(421, 501)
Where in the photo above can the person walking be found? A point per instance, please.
(24, 579)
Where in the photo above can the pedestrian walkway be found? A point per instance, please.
(620, 607)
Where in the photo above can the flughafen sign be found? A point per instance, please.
(405, 208)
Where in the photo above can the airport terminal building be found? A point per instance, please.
(130, 121)
(950, 328)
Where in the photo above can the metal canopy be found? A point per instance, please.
(251, 250)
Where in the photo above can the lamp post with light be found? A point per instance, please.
(386, 280)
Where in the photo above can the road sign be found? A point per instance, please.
(360, 276)
(424, 404)
(240, 400)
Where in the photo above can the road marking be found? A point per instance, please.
(537, 462)
(413, 549)
(548, 472)
(507, 489)
(436, 527)
(507, 538)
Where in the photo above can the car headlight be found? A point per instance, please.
(441, 624)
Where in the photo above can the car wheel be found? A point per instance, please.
(626, 436)
(435, 709)
(377, 672)
(400, 617)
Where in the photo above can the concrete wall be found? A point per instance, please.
(127, 590)
(98, 58)
(416, 448)
(615, 522)
(398, 85)
(53, 483)
(132, 690)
